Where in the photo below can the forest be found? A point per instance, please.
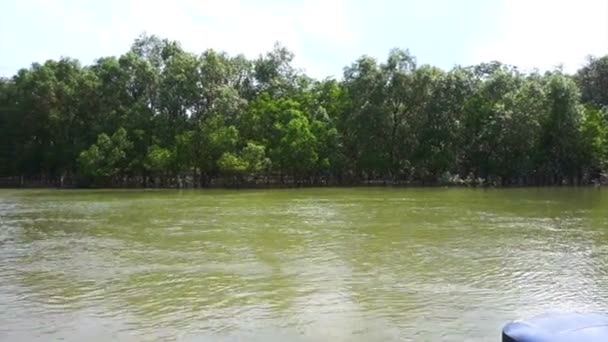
(160, 116)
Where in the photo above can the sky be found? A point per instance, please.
(325, 35)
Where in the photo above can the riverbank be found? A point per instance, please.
(273, 182)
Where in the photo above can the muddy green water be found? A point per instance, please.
(296, 265)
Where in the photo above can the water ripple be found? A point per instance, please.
(309, 266)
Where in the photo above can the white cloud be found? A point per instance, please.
(324, 20)
(546, 33)
(88, 29)
(325, 35)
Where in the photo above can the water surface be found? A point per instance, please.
(296, 265)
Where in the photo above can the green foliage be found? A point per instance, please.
(594, 132)
(158, 159)
(184, 152)
(254, 156)
(232, 164)
(593, 81)
(212, 115)
(107, 157)
(296, 150)
(213, 138)
(560, 147)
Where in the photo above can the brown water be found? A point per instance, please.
(296, 265)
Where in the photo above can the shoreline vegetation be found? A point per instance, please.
(161, 117)
(269, 182)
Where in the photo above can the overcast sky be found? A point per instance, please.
(326, 35)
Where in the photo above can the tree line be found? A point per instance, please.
(161, 116)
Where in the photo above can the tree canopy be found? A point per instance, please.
(162, 116)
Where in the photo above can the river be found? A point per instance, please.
(363, 264)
